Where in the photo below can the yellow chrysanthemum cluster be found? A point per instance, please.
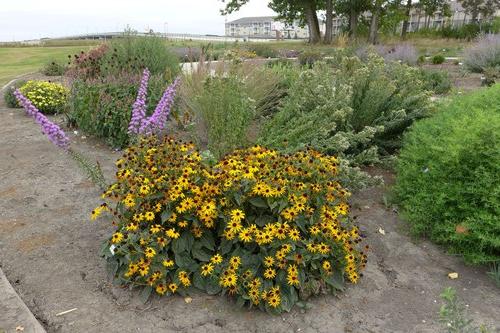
(48, 97)
(258, 224)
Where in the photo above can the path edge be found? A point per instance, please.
(14, 312)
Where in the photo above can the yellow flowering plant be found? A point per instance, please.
(267, 228)
(48, 97)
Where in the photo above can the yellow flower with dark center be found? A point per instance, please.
(270, 273)
(182, 224)
(245, 235)
(161, 289)
(294, 234)
(155, 228)
(274, 301)
(161, 241)
(117, 237)
(168, 263)
(207, 269)
(144, 189)
(229, 280)
(173, 287)
(132, 226)
(268, 261)
(216, 259)
(149, 216)
(293, 280)
(326, 265)
(237, 215)
(323, 248)
(235, 261)
(314, 230)
(150, 252)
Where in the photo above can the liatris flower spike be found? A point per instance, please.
(139, 107)
(55, 134)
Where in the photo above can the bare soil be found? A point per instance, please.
(462, 80)
(49, 252)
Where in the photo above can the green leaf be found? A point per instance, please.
(183, 260)
(212, 287)
(165, 215)
(263, 220)
(200, 254)
(145, 294)
(207, 240)
(258, 202)
(240, 302)
(225, 246)
(199, 281)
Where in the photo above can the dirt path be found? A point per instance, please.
(49, 253)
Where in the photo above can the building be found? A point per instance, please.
(264, 27)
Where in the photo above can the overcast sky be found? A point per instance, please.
(32, 19)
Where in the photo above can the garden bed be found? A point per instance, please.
(49, 251)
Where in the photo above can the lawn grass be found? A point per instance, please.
(15, 61)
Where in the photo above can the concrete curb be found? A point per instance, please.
(13, 312)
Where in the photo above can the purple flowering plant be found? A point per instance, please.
(140, 124)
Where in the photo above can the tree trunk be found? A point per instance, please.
(353, 23)
(406, 22)
(418, 21)
(373, 37)
(329, 21)
(312, 21)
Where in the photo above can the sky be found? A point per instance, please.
(34, 19)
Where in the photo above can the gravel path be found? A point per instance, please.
(49, 252)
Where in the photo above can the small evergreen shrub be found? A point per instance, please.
(9, 97)
(53, 68)
(438, 59)
(447, 176)
(47, 97)
(265, 228)
(356, 110)
(437, 81)
(309, 57)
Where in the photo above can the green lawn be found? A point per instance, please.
(15, 61)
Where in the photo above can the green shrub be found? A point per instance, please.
(437, 81)
(103, 108)
(438, 59)
(48, 97)
(267, 229)
(309, 57)
(226, 111)
(448, 176)
(53, 68)
(355, 110)
(263, 50)
(131, 54)
(8, 95)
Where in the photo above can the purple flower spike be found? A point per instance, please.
(156, 123)
(55, 134)
(139, 107)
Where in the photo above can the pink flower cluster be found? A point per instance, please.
(55, 134)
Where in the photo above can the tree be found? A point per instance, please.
(329, 21)
(380, 11)
(352, 9)
(304, 11)
(484, 7)
(406, 22)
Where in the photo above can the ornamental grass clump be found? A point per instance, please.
(47, 97)
(264, 227)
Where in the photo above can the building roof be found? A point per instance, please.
(254, 19)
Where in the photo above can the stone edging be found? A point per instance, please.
(13, 312)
